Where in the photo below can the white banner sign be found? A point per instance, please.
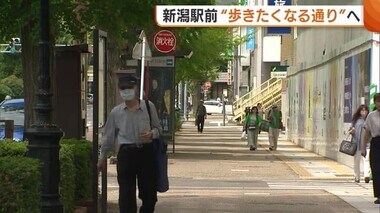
(278, 74)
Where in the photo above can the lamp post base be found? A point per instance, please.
(44, 145)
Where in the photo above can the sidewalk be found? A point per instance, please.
(310, 166)
(218, 168)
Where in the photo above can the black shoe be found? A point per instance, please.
(251, 148)
(377, 201)
(366, 179)
(357, 180)
(271, 148)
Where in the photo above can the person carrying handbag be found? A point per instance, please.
(356, 130)
(252, 124)
(200, 116)
(129, 123)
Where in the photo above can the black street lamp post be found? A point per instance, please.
(44, 136)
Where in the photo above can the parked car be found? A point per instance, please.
(13, 109)
(213, 107)
(13, 104)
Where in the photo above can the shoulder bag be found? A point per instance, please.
(160, 148)
(348, 146)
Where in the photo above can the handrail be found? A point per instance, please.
(268, 93)
(255, 91)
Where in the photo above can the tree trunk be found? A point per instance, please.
(114, 52)
(30, 65)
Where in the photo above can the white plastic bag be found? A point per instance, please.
(243, 135)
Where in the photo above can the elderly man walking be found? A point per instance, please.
(274, 117)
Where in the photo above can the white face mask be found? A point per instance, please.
(127, 94)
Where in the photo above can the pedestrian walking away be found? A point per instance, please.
(274, 117)
(261, 113)
(372, 130)
(129, 123)
(356, 130)
(200, 116)
(252, 124)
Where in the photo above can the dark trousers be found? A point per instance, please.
(201, 123)
(135, 162)
(374, 160)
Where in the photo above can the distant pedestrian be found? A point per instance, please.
(11, 46)
(129, 123)
(200, 116)
(261, 113)
(252, 124)
(260, 110)
(372, 130)
(244, 133)
(357, 132)
(274, 118)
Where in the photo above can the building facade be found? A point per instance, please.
(335, 70)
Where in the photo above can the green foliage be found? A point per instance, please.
(70, 20)
(10, 64)
(9, 147)
(208, 46)
(10, 76)
(20, 184)
(75, 163)
(13, 14)
(178, 122)
(17, 13)
(12, 86)
(83, 167)
(67, 182)
(4, 91)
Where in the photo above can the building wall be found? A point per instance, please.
(287, 49)
(315, 87)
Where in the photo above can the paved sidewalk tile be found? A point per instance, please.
(217, 167)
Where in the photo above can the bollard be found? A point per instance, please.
(9, 128)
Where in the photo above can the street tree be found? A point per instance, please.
(72, 20)
(20, 18)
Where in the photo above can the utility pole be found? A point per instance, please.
(44, 136)
(185, 115)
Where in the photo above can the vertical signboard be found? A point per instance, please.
(347, 110)
(279, 30)
(101, 87)
(99, 114)
(250, 45)
(360, 71)
(161, 92)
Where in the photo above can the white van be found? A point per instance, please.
(213, 107)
